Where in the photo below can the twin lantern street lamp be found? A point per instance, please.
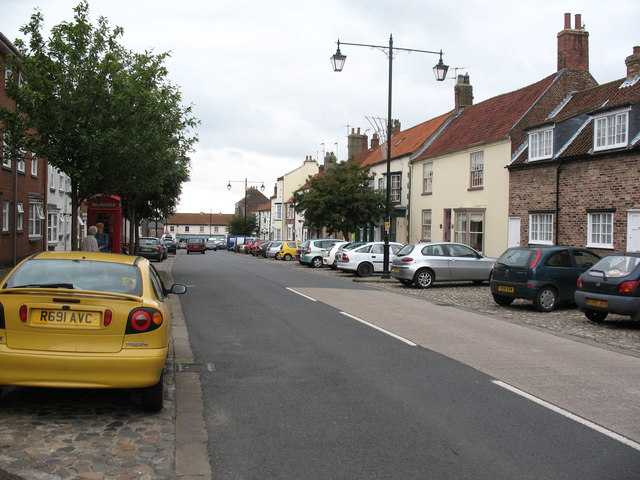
(440, 72)
(246, 183)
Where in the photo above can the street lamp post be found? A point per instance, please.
(440, 72)
(246, 185)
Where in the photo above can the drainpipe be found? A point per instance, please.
(557, 226)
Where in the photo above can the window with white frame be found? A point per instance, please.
(289, 231)
(426, 226)
(36, 215)
(278, 214)
(52, 178)
(541, 228)
(611, 131)
(7, 75)
(396, 187)
(427, 178)
(34, 164)
(6, 154)
(52, 226)
(600, 229)
(215, 229)
(20, 218)
(469, 229)
(541, 144)
(21, 163)
(201, 228)
(477, 169)
(291, 213)
(172, 228)
(277, 234)
(5, 215)
(186, 229)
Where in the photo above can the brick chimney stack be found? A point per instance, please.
(375, 141)
(357, 143)
(463, 92)
(633, 63)
(573, 45)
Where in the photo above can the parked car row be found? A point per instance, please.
(548, 276)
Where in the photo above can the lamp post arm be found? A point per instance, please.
(387, 47)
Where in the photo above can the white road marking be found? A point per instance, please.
(575, 418)
(387, 332)
(301, 294)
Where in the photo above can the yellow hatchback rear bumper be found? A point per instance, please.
(125, 369)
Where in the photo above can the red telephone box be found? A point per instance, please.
(107, 209)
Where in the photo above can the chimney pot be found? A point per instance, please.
(578, 21)
(573, 46)
(567, 21)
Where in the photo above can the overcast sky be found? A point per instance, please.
(258, 75)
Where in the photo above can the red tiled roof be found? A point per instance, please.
(404, 142)
(199, 219)
(603, 97)
(488, 121)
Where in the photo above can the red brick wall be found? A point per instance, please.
(595, 183)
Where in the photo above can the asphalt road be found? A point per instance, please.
(312, 377)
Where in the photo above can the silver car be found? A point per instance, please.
(274, 250)
(422, 264)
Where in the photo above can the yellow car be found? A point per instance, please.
(85, 320)
(287, 250)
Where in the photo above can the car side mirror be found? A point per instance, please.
(178, 289)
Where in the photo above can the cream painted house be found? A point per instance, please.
(284, 224)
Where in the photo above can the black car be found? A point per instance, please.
(261, 250)
(171, 245)
(545, 275)
(610, 286)
(151, 248)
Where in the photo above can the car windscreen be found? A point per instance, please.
(77, 275)
(148, 242)
(517, 258)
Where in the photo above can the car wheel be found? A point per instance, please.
(187, 252)
(595, 316)
(364, 269)
(316, 262)
(502, 300)
(277, 257)
(152, 396)
(406, 283)
(546, 300)
(424, 278)
(203, 252)
(287, 257)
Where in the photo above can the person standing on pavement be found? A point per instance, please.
(103, 238)
(89, 243)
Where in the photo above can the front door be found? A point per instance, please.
(513, 239)
(633, 231)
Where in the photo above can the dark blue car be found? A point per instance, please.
(611, 286)
(545, 275)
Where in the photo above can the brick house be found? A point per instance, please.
(23, 187)
(459, 186)
(575, 181)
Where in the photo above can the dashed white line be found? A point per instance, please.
(301, 294)
(575, 418)
(386, 332)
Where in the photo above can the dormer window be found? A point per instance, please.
(611, 130)
(541, 144)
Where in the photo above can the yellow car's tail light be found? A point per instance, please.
(23, 313)
(143, 320)
(108, 316)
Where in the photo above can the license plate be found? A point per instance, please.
(67, 318)
(395, 269)
(597, 303)
(147, 249)
(505, 288)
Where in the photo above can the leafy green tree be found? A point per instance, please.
(106, 117)
(340, 199)
(241, 225)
